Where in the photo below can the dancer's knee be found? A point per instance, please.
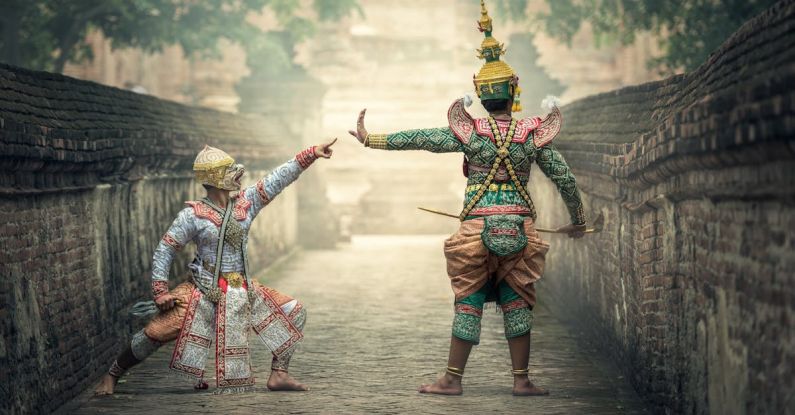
(142, 345)
(466, 323)
(298, 316)
(518, 318)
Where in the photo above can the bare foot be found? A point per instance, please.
(523, 387)
(446, 385)
(106, 386)
(282, 381)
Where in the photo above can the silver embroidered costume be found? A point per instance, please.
(204, 232)
(196, 320)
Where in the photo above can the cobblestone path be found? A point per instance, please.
(379, 314)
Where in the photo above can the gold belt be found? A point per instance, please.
(492, 187)
(235, 279)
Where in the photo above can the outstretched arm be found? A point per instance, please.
(436, 140)
(181, 231)
(267, 188)
(554, 166)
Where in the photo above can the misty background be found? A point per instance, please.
(404, 61)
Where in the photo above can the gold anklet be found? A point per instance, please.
(455, 371)
(519, 372)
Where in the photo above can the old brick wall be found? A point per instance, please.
(691, 286)
(90, 178)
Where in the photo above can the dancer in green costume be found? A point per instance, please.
(496, 255)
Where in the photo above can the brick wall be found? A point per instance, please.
(691, 286)
(90, 178)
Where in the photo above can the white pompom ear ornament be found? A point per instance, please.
(550, 102)
(467, 100)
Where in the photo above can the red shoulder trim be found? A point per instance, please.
(520, 134)
(460, 121)
(483, 128)
(241, 208)
(524, 127)
(203, 211)
(549, 128)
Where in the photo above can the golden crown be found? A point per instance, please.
(493, 81)
(210, 166)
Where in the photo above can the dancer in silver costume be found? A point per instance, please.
(220, 303)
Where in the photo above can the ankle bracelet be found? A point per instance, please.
(278, 369)
(115, 370)
(455, 371)
(520, 372)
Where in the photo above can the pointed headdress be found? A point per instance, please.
(494, 80)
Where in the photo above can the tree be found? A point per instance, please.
(688, 30)
(45, 34)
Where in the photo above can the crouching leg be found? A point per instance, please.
(279, 379)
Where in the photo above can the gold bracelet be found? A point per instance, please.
(377, 141)
(519, 372)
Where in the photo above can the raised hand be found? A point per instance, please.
(361, 132)
(324, 150)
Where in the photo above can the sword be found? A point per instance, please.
(598, 223)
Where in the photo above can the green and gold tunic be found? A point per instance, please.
(531, 142)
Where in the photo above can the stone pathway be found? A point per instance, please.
(379, 314)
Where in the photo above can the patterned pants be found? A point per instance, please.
(165, 326)
(516, 312)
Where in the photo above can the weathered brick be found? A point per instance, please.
(76, 253)
(700, 239)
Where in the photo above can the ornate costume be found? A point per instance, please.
(496, 255)
(221, 303)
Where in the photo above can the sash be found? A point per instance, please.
(193, 343)
(502, 155)
(214, 293)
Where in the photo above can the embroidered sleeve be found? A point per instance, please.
(554, 166)
(436, 140)
(267, 188)
(159, 288)
(178, 235)
(306, 157)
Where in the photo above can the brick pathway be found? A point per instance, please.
(379, 320)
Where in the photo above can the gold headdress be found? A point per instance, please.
(210, 166)
(494, 80)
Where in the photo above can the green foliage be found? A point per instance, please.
(45, 34)
(333, 10)
(688, 30)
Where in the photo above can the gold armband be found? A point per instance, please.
(376, 141)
